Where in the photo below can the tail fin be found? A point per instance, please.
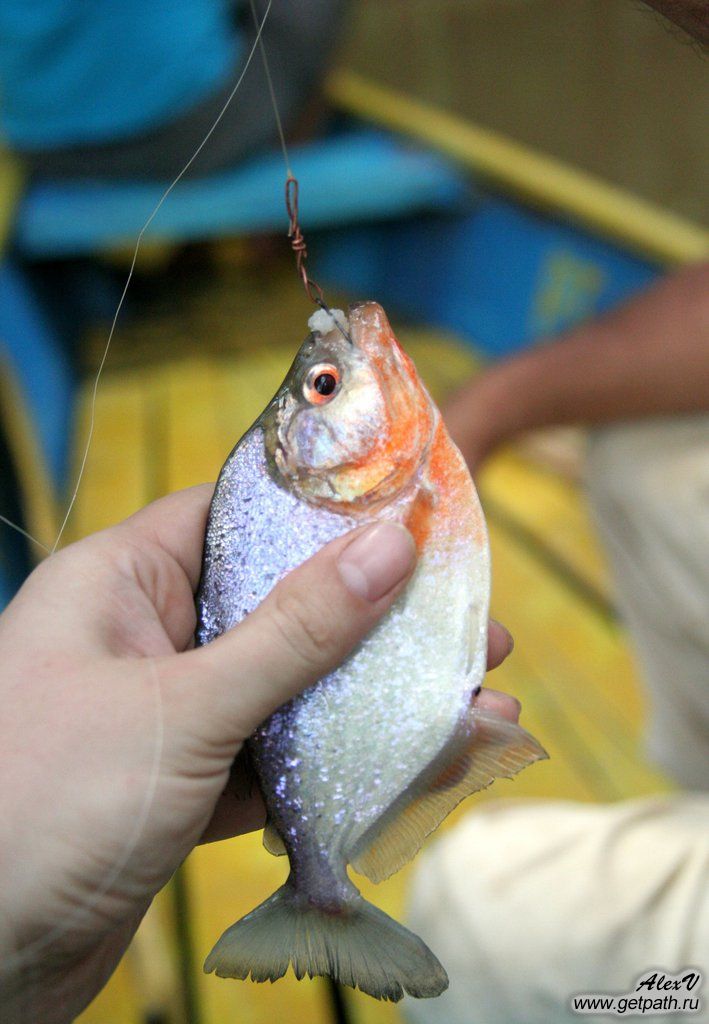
(360, 946)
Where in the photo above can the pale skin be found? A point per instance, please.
(118, 737)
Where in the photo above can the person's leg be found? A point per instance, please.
(649, 489)
(300, 38)
(528, 903)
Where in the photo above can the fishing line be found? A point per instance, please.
(272, 92)
(92, 419)
(145, 227)
(14, 526)
(295, 233)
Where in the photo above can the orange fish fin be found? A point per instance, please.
(272, 840)
(496, 748)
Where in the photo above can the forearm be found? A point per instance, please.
(650, 357)
(691, 15)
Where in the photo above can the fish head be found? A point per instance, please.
(352, 423)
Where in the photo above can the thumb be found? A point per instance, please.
(306, 626)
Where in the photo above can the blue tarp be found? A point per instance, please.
(347, 178)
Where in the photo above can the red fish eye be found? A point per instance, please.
(321, 384)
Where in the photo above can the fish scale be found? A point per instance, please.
(245, 554)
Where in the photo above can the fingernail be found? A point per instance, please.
(376, 560)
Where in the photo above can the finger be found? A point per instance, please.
(234, 815)
(240, 807)
(500, 703)
(177, 523)
(500, 644)
(305, 627)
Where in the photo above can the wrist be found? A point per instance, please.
(489, 411)
(39, 954)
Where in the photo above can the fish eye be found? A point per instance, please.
(321, 383)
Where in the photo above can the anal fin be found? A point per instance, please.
(495, 748)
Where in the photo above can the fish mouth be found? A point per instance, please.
(365, 320)
(365, 317)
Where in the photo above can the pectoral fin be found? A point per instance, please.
(272, 840)
(495, 748)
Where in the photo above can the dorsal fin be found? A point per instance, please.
(497, 748)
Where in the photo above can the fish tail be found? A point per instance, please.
(357, 945)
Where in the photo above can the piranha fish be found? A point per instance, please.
(364, 765)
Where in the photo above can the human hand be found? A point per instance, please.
(118, 739)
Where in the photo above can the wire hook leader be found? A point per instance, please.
(298, 245)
